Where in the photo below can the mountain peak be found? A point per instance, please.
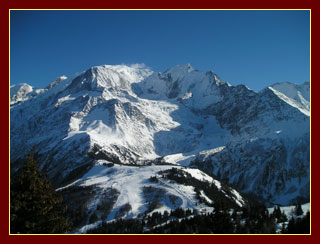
(296, 95)
(57, 81)
(22, 92)
(107, 76)
(180, 68)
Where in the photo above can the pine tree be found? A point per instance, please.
(280, 216)
(276, 212)
(298, 210)
(35, 207)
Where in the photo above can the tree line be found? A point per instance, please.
(253, 220)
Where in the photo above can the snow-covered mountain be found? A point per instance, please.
(22, 92)
(258, 141)
(128, 191)
(296, 95)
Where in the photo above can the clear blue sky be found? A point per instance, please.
(256, 48)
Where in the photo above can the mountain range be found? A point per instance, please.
(113, 132)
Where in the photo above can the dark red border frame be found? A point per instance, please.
(145, 4)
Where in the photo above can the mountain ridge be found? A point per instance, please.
(131, 115)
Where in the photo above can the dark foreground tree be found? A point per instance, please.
(35, 207)
(298, 210)
(298, 225)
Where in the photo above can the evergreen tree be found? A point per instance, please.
(276, 212)
(222, 222)
(35, 207)
(280, 216)
(298, 210)
(298, 225)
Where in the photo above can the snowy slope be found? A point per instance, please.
(185, 84)
(57, 81)
(134, 192)
(276, 170)
(258, 141)
(22, 92)
(296, 95)
(98, 112)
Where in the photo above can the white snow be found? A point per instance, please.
(238, 198)
(63, 99)
(292, 96)
(179, 158)
(137, 114)
(20, 92)
(199, 175)
(184, 82)
(205, 197)
(118, 75)
(130, 182)
(211, 152)
(187, 95)
(57, 81)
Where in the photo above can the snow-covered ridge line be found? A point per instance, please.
(301, 104)
(131, 115)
